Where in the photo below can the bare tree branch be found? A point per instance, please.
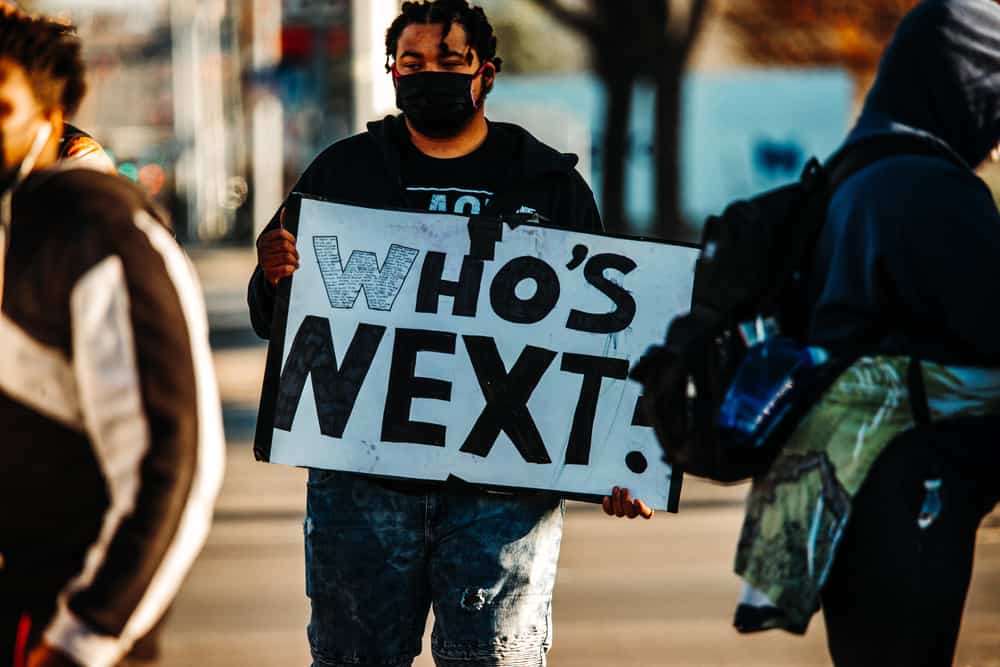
(579, 21)
(697, 15)
(682, 26)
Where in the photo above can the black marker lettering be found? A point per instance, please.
(465, 291)
(336, 390)
(507, 396)
(593, 370)
(404, 386)
(641, 415)
(621, 317)
(509, 306)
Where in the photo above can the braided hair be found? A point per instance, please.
(50, 53)
(482, 38)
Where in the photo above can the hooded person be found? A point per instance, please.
(871, 509)
(920, 233)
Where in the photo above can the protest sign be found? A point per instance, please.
(434, 346)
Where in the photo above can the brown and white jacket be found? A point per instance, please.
(111, 445)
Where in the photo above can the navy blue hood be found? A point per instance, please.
(907, 260)
(940, 75)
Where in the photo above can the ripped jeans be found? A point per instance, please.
(377, 559)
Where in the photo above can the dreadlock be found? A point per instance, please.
(50, 54)
(482, 39)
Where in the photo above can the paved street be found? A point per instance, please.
(628, 593)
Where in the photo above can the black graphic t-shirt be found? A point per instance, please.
(463, 185)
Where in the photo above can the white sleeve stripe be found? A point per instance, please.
(107, 377)
(196, 519)
(77, 640)
(38, 376)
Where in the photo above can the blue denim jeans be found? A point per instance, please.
(377, 559)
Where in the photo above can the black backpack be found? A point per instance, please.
(754, 266)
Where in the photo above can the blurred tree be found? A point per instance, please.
(848, 33)
(531, 41)
(631, 40)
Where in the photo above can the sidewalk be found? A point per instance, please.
(628, 593)
(224, 274)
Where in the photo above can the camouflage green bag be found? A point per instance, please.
(797, 511)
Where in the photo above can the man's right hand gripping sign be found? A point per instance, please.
(276, 253)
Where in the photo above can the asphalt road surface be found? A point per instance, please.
(628, 593)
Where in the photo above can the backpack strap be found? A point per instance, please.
(918, 393)
(820, 182)
(865, 152)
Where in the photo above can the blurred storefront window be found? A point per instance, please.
(214, 106)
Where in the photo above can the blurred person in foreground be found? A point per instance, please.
(75, 144)
(380, 552)
(872, 507)
(113, 448)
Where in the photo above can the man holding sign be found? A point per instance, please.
(379, 552)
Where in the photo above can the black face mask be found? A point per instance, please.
(437, 104)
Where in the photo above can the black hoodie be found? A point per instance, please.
(909, 259)
(365, 170)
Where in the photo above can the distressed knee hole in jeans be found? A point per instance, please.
(474, 599)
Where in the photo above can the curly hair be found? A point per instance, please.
(50, 53)
(480, 33)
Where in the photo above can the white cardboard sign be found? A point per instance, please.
(401, 350)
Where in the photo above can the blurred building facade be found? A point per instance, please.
(216, 106)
